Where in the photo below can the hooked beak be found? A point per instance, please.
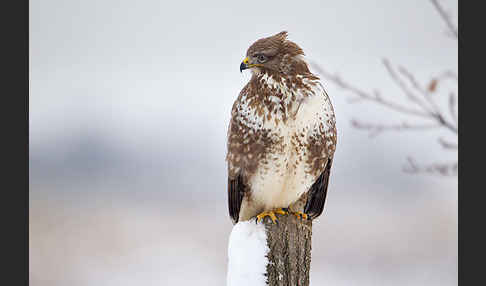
(244, 65)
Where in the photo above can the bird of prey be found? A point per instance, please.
(281, 136)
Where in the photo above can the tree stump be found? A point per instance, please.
(289, 256)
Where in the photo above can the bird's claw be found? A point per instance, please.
(301, 215)
(271, 214)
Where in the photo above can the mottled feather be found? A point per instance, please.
(281, 136)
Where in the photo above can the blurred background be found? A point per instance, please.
(129, 107)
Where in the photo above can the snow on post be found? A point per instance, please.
(270, 254)
(247, 254)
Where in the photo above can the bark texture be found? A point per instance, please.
(290, 251)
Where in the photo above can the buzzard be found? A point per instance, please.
(281, 136)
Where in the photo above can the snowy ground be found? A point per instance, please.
(359, 241)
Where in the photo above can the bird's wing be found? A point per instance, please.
(317, 193)
(236, 191)
(236, 180)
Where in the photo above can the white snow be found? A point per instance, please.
(247, 250)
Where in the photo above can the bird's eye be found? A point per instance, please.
(261, 58)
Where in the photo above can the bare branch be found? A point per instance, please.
(376, 97)
(410, 95)
(421, 103)
(447, 145)
(440, 118)
(452, 106)
(436, 112)
(446, 17)
(376, 129)
(425, 92)
(448, 74)
(415, 84)
(443, 169)
(412, 167)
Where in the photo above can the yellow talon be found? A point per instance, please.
(301, 215)
(271, 214)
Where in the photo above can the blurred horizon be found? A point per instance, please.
(129, 108)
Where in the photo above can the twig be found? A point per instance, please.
(446, 17)
(434, 113)
(452, 107)
(410, 95)
(448, 74)
(418, 87)
(418, 95)
(444, 169)
(376, 129)
(447, 145)
(376, 97)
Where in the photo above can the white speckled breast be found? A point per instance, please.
(290, 169)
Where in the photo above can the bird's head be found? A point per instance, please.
(275, 54)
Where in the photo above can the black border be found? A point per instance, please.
(471, 217)
(460, 201)
(14, 210)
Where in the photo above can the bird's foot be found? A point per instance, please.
(301, 215)
(271, 214)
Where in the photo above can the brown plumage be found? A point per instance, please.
(282, 134)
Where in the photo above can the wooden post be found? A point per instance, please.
(289, 256)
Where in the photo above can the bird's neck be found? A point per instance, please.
(280, 95)
(286, 87)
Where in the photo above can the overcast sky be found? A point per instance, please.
(157, 80)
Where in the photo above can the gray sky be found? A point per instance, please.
(150, 79)
(130, 100)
